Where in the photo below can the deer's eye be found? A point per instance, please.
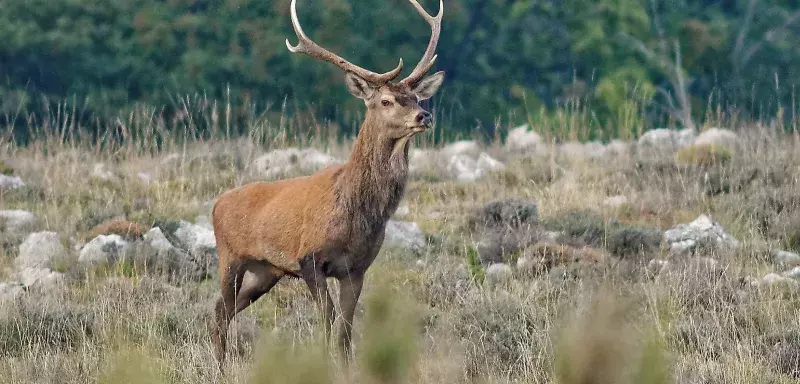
(386, 103)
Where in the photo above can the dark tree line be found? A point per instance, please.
(654, 61)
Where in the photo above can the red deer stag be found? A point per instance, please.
(332, 223)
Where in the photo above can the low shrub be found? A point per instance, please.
(6, 169)
(633, 242)
(502, 213)
(703, 155)
(580, 226)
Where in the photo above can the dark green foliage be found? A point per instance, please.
(505, 226)
(630, 242)
(581, 225)
(389, 346)
(519, 60)
(587, 227)
(474, 266)
(717, 182)
(503, 213)
(6, 169)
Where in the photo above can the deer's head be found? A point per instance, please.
(394, 104)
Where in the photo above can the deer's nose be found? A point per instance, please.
(424, 118)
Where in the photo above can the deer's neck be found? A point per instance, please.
(373, 179)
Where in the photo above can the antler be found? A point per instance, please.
(310, 48)
(429, 57)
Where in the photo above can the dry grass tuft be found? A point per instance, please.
(600, 345)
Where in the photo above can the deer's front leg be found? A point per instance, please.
(318, 286)
(349, 292)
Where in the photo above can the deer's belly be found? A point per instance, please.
(281, 259)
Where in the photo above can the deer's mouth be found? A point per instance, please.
(419, 129)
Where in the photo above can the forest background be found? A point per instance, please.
(619, 66)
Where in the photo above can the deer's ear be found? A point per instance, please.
(428, 86)
(358, 87)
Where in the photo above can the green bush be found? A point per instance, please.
(388, 352)
(277, 361)
(582, 225)
(600, 346)
(587, 227)
(6, 169)
(505, 213)
(703, 155)
(130, 365)
(474, 265)
(630, 242)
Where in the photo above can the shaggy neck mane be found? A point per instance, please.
(373, 180)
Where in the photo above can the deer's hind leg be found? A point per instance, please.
(241, 283)
(259, 278)
(230, 280)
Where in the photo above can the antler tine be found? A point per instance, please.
(429, 57)
(309, 47)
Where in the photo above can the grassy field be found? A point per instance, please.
(428, 318)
